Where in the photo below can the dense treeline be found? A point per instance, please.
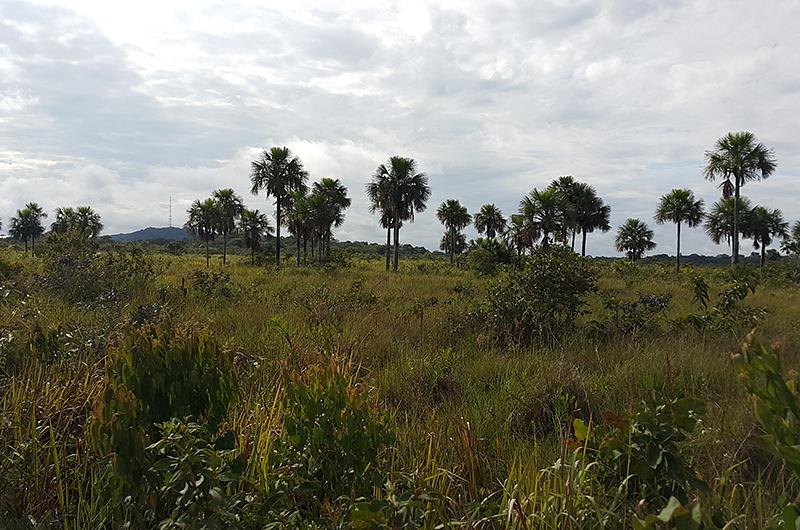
(397, 191)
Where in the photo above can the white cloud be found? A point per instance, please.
(122, 105)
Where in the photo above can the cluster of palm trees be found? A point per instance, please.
(737, 158)
(309, 216)
(557, 213)
(28, 223)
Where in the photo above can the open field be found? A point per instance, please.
(477, 424)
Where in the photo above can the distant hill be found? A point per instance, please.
(165, 233)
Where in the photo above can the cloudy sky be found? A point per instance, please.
(122, 106)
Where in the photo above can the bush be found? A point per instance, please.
(79, 273)
(542, 300)
(196, 485)
(211, 283)
(644, 455)
(330, 450)
(484, 256)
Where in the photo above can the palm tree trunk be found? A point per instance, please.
(763, 254)
(208, 259)
(252, 255)
(313, 248)
(305, 249)
(396, 241)
(573, 239)
(678, 256)
(26, 245)
(735, 246)
(545, 240)
(278, 232)
(452, 245)
(297, 244)
(224, 248)
(388, 246)
(33, 245)
(583, 242)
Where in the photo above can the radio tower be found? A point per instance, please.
(170, 211)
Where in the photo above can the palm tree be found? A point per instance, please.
(490, 220)
(547, 211)
(738, 156)
(335, 202)
(203, 221)
(454, 217)
(569, 189)
(278, 173)
(634, 238)
(520, 234)
(83, 220)
(589, 212)
(680, 206)
(254, 225)
(720, 221)
(453, 245)
(763, 226)
(399, 189)
(791, 245)
(27, 225)
(230, 208)
(295, 219)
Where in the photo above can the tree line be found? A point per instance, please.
(398, 190)
(28, 223)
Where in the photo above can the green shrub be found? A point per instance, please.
(195, 484)
(331, 446)
(485, 256)
(542, 300)
(77, 271)
(776, 400)
(206, 283)
(175, 374)
(644, 455)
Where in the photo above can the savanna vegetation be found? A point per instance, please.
(520, 386)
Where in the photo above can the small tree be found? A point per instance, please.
(634, 238)
(454, 217)
(254, 226)
(203, 222)
(230, 207)
(27, 225)
(679, 206)
(490, 221)
(763, 226)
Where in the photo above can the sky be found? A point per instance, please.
(122, 105)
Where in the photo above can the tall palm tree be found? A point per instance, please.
(764, 226)
(634, 238)
(203, 221)
(680, 206)
(720, 221)
(230, 208)
(278, 173)
(569, 189)
(490, 221)
(589, 212)
(738, 156)
(454, 217)
(27, 225)
(335, 200)
(547, 211)
(399, 189)
(254, 226)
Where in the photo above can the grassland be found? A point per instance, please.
(485, 426)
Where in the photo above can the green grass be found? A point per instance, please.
(474, 417)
